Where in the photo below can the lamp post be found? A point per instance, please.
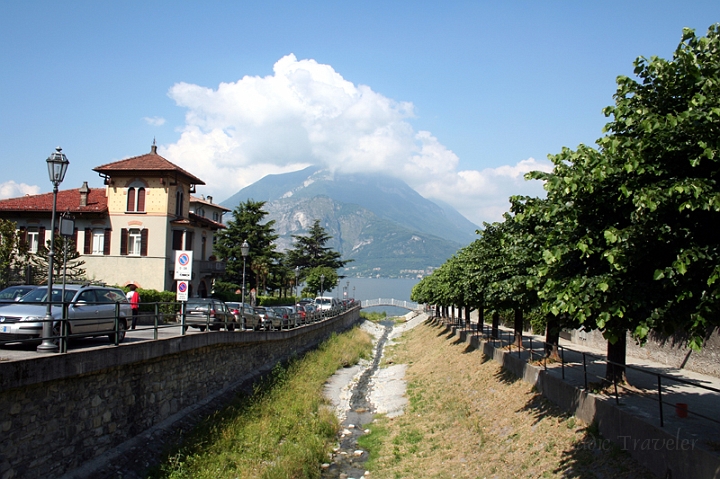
(322, 290)
(244, 250)
(57, 164)
(297, 274)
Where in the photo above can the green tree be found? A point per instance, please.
(13, 254)
(248, 224)
(70, 266)
(631, 249)
(310, 251)
(319, 280)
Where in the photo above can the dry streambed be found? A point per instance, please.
(446, 411)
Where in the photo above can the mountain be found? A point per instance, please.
(386, 227)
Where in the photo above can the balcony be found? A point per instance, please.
(212, 267)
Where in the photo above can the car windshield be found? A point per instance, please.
(14, 292)
(39, 295)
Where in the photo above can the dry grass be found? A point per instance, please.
(469, 418)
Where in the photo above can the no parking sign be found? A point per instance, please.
(183, 265)
(182, 291)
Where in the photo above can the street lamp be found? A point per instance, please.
(297, 274)
(57, 164)
(244, 250)
(322, 290)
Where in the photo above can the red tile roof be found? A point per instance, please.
(195, 199)
(67, 200)
(150, 162)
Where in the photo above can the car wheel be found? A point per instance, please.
(231, 326)
(122, 328)
(201, 328)
(185, 328)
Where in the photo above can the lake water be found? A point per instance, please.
(375, 288)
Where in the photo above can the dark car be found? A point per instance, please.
(245, 315)
(14, 293)
(210, 313)
(91, 311)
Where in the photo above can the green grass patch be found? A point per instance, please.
(281, 431)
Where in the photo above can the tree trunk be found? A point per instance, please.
(552, 337)
(481, 319)
(518, 327)
(616, 354)
(496, 325)
(467, 316)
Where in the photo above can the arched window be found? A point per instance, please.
(136, 199)
(179, 198)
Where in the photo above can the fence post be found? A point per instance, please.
(562, 361)
(662, 421)
(585, 371)
(157, 311)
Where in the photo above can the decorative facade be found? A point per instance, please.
(129, 231)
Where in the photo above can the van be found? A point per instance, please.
(326, 303)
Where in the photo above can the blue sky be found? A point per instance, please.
(457, 98)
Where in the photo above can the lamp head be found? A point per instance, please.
(57, 166)
(244, 248)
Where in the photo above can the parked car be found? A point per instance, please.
(311, 313)
(91, 311)
(267, 319)
(14, 293)
(326, 304)
(208, 312)
(302, 314)
(245, 315)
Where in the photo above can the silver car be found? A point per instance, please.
(91, 311)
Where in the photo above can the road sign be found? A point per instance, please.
(183, 265)
(182, 290)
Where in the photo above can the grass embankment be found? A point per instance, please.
(281, 431)
(467, 417)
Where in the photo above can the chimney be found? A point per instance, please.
(84, 190)
(209, 198)
(153, 148)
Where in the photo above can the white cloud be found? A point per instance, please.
(10, 189)
(154, 121)
(308, 114)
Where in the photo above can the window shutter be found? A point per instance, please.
(141, 199)
(23, 236)
(41, 237)
(189, 241)
(131, 199)
(106, 246)
(88, 241)
(143, 242)
(74, 239)
(123, 241)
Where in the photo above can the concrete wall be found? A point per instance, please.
(671, 351)
(664, 454)
(60, 412)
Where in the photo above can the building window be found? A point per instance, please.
(134, 242)
(177, 240)
(33, 240)
(179, 198)
(136, 200)
(216, 217)
(98, 242)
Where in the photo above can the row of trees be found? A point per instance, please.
(625, 240)
(266, 269)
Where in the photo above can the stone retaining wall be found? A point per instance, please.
(60, 412)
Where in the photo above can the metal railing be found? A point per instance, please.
(531, 349)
